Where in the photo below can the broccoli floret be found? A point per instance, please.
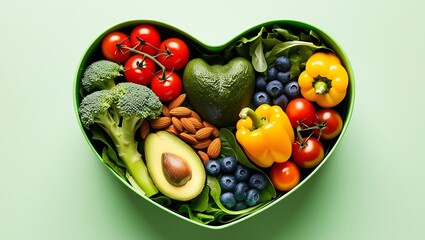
(101, 75)
(120, 111)
(137, 100)
(95, 108)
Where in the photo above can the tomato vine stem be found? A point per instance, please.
(133, 50)
(303, 127)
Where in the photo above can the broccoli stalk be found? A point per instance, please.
(120, 112)
(101, 75)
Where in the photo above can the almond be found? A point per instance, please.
(204, 157)
(196, 115)
(214, 148)
(177, 102)
(188, 138)
(180, 112)
(203, 133)
(215, 132)
(196, 123)
(202, 144)
(177, 124)
(188, 125)
(172, 129)
(144, 130)
(160, 123)
(165, 111)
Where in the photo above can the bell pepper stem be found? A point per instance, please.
(320, 87)
(257, 122)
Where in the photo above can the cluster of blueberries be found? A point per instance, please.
(276, 88)
(240, 186)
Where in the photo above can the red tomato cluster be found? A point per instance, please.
(142, 52)
(311, 128)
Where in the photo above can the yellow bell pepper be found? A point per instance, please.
(266, 134)
(324, 80)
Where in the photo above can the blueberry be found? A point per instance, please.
(283, 77)
(274, 88)
(260, 98)
(283, 63)
(272, 73)
(292, 89)
(229, 164)
(213, 168)
(242, 173)
(260, 83)
(241, 189)
(239, 206)
(281, 101)
(258, 181)
(252, 197)
(227, 183)
(228, 200)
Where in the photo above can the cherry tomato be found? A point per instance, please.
(111, 44)
(310, 155)
(333, 123)
(139, 69)
(300, 109)
(166, 89)
(147, 39)
(285, 175)
(173, 53)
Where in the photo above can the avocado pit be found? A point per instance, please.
(176, 169)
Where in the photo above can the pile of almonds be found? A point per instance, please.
(188, 126)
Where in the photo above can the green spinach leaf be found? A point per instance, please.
(200, 203)
(105, 157)
(254, 47)
(162, 200)
(196, 216)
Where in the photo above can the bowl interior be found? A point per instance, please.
(215, 53)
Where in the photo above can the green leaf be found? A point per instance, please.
(200, 203)
(298, 60)
(229, 147)
(255, 46)
(105, 157)
(284, 48)
(311, 36)
(196, 216)
(269, 43)
(285, 33)
(162, 200)
(257, 55)
(243, 40)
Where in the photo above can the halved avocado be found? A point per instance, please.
(175, 168)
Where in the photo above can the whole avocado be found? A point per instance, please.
(219, 92)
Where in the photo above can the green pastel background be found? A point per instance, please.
(53, 187)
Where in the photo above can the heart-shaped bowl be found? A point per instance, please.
(216, 53)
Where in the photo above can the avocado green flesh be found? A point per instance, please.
(219, 92)
(163, 142)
